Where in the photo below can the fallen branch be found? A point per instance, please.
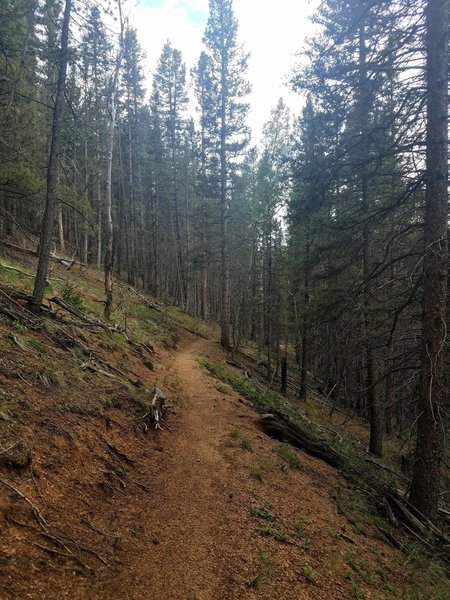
(36, 512)
(90, 367)
(141, 485)
(23, 273)
(9, 448)
(143, 298)
(109, 536)
(397, 507)
(346, 537)
(77, 313)
(389, 537)
(70, 540)
(17, 312)
(64, 555)
(18, 248)
(114, 474)
(18, 342)
(385, 468)
(64, 262)
(118, 453)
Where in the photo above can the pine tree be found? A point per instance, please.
(22, 117)
(46, 237)
(95, 53)
(270, 197)
(169, 102)
(425, 486)
(206, 188)
(353, 66)
(133, 147)
(229, 87)
(109, 247)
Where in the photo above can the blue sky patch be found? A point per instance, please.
(152, 3)
(195, 15)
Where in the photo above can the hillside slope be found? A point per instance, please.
(96, 503)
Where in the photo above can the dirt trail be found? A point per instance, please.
(189, 532)
(199, 541)
(189, 503)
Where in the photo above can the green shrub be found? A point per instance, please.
(261, 512)
(70, 295)
(288, 455)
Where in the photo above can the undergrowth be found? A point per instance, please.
(355, 503)
(263, 401)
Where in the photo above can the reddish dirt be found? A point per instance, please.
(188, 533)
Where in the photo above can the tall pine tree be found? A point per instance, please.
(229, 87)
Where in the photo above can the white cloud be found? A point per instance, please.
(273, 32)
(169, 21)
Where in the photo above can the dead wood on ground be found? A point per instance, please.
(157, 411)
(395, 505)
(284, 429)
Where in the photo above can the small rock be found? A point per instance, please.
(17, 455)
(148, 363)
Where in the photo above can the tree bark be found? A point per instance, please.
(426, 479)
(307, 299)
(109, 257)
(62, 245)
(225, 255)
(109, 253)
(46, 237)
(372, 396)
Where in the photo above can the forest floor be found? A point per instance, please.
(209, 508)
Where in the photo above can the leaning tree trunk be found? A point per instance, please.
(426, 479)
(46, 237)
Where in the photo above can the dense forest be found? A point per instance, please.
(325, 245)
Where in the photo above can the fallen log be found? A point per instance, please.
(143, 298)
(11, 308)
(23, 273)
(77, 313)
(283, 429)
(68, 264)
(18, 248)
(395, 505)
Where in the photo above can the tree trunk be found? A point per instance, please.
(225, 257)
(305, 331)
(99, 232)
(109, 254)
(284, 372)
(372, 396)
(109, 257)
(62, 245)
(46, 237)
(269, 301)
(426, 479)
(205, 288)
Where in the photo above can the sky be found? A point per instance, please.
(273, 31)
